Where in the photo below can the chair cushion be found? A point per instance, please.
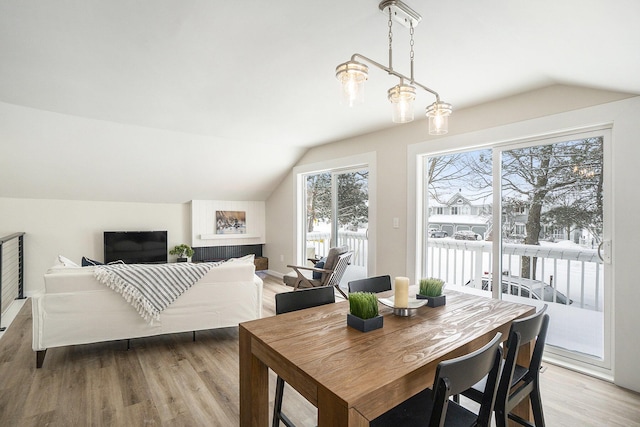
(320, 264)
(291, 278)
(416, 411)
(332, 256)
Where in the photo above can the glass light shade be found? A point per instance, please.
(401, 97)
(438, 114)
(352, 75)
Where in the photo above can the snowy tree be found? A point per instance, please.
(318, 199)
(353, 198)
(540, 176)
(545, 173)
(444, 174)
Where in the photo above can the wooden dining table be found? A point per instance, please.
(353, 377)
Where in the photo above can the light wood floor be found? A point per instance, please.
(173, 381)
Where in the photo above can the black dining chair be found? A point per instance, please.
(519, 382)
(432, 407)
(371, 284)
(293, 301)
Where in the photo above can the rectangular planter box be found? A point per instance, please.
(364, 325)
(434, 301)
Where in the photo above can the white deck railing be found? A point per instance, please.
(575, 272)
(355, 240)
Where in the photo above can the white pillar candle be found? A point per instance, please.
(401, 293)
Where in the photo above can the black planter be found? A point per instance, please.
(433, 301)
(183, 259)
(364, 325)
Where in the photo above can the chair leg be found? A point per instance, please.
(502, 418)
(340, 290)
(277, 404)
(536, 406)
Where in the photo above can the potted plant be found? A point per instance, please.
(183, 251)
(364, 316)
(431, 289)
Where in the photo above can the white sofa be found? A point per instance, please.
(75, 308)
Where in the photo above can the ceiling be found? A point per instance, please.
(259, 77)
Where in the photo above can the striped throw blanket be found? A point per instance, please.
(150, 288)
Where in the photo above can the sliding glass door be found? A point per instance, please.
(524, 221)
(337, 214)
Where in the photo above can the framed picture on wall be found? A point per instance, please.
(231, 222)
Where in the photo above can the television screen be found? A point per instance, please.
(135, 247)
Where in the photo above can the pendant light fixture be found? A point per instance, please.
(353, 73)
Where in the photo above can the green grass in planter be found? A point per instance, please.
(431, 287)
(363, 305)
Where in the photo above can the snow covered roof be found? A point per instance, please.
(459, 219)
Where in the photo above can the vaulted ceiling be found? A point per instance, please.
(211, 88)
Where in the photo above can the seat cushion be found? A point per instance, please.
(291, 278)
(416, 411)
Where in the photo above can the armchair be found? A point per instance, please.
(336, 264)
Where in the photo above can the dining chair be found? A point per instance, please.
(285, 303)
(371, 284)
(519, 382)
(432, 407)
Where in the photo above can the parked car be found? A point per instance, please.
(527, 288)
(438, 234)
(466, 235)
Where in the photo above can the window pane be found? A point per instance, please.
(458, 238)
(551, 227)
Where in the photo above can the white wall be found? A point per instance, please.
(58, 156)
(393, 245)
(74, 228)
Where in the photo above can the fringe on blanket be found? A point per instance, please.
(172, 281)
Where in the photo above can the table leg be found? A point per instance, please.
(254, 385)
(331, 411)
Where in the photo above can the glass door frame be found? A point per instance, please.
(417, 210)
(346, 164)
(559, 355)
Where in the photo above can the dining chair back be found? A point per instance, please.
(293, 301)
(518, 382)
(452, 376)
(371, 284)
(304, 298)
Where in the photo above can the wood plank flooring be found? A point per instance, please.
(173, 381)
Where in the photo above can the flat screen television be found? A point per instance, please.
(135, 247)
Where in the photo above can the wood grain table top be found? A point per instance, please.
(318, 354)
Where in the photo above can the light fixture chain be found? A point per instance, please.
(390, 40)
(411, 53)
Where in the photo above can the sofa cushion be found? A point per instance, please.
(86, 262)
(66, 262)
(247, 258)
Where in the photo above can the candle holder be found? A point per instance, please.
(410, 310)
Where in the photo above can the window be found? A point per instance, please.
(454, 210)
